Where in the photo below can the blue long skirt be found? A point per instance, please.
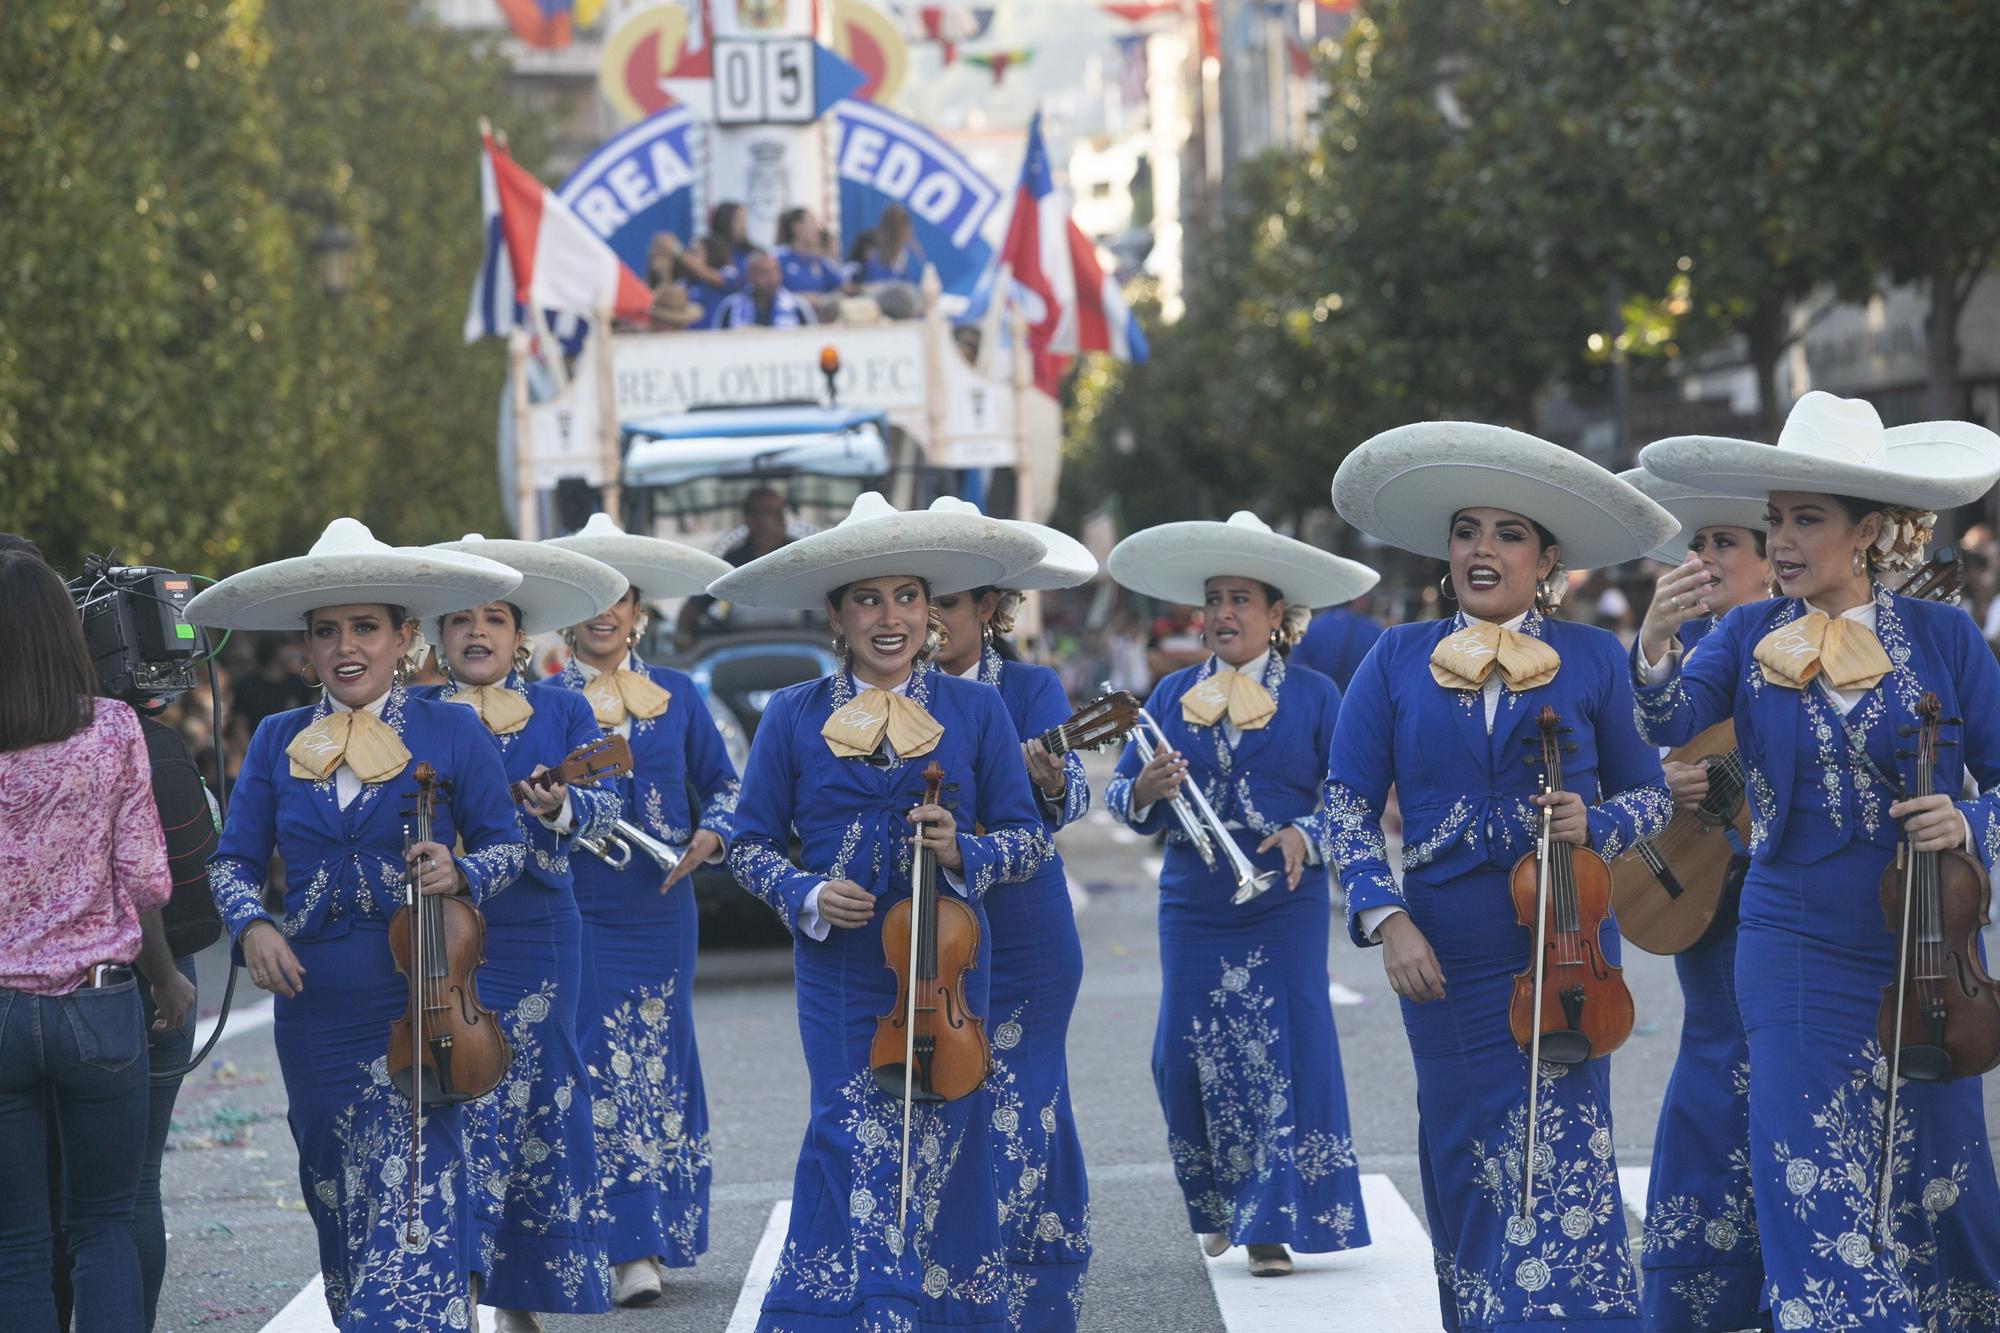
(1811, 959)
(353, 1133)
(1247, 1064)
(1704, 1271)
(849, 1263)
(635, 1025)
(536, 1196)
(1037, 1156)
(1568, 1266)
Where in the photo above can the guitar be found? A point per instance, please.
(586, 765)
(1666, 890)
(1098, 723)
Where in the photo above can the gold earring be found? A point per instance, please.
(1860, 561)
(840, 646)
(310, 675)
(401, 674)
(523, 659)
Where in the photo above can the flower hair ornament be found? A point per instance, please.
(1905, 533)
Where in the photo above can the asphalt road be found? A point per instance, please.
(242, 1248)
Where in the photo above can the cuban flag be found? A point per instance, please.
(1050, 270)
(557, 262)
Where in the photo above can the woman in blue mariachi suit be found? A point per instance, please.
(1445, 712)
(1037, 959)
(1823, 684)
(1245, 1057)
(536, 1196)
(1704, 1272)
(636, 1019)
(326, 788)
(838, 764)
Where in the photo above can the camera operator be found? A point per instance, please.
(81, 859)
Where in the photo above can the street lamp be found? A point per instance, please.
(333, 258)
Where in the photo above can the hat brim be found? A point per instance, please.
(1403, 486)
(1175, 561)
(950, 552)
(280, 595)
(1929, 465)
(1068, 563)
(656, 567)
(558, 587)
(1694, 510)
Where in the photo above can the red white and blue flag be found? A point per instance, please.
(1051, 272)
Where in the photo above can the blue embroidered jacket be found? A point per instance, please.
(1036, 701)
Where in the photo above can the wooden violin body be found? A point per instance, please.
(1667, 889)
(930, 942)
(1570, 1004)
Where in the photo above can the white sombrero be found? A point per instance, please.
(1067, 564)
(1175, 561)
(951, 551)
(656, 567)
(1837, 446)
(1694, 509)
(558, 587)
(1403, 486)
(345, 566)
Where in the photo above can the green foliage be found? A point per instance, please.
(172, 381)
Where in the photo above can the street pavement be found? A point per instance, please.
(242, 1254)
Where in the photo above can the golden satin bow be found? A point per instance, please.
(1464, 660)
(616, 695)
(502, 710)
(1248, 704)
(854, 731)
(1845, 651)
(364, 742)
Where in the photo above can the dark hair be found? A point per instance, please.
(1856, 507)
(892, 233)
(397, 614)
(503, 601)
(50, 681)
(1542, 534)
(839, 594)
(14, 541)
(788, 223)
(718, 247)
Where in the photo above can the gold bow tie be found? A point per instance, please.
(1248, 704)
(1464, 660)
(855, 731)
(362, 741)
(1845, 651)
(623, 693)
(502, 710)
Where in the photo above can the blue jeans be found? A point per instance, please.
(85, 1051)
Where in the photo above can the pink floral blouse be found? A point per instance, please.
(81, 854)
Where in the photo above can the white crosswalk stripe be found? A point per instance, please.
(762, 1264)
(306, 1313)
(1632, 1183)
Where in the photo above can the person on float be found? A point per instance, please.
(325, 788)
(530, 1152)
(1037, 958)
(838, 764)
(1823, 684)
(1246, 1061)
(1703, 1269)
(1445, 712)
(635, 1018)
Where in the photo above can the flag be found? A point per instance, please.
(997, 63)
(557, 262)
(1143, 10)
(1071, 305)
(492, 312)
(540, 23)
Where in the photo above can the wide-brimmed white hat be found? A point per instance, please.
(1837, 446)
(1694, 509)
(655, 566)
(558, 587)
(950, 551)
(1403, 486)
(1175, 561)
(1067, 564)
(345, 566)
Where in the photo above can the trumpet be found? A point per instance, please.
(1199, 822)
(615, 847)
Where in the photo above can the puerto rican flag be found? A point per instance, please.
(554, 260)
(1071, 304)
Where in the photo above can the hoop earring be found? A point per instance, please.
(1277, 639)
(986, 635)
(569, 636)
(839, 646)
(523, 659)
(1544, 601)
(401, 675)
(310, 675)
(1445, 590)
(1860, 565)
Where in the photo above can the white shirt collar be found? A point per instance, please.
(972, 672)
(1864, 613)
(374, 707)
(900, 687)
(591, 673)
(1254, 668)
(1514, 624)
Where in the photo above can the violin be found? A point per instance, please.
(930, 1047)
(1940, 1020)
(446, 1048)
(1570, 1004)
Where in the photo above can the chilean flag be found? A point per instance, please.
(558, 262)
(1070, 303)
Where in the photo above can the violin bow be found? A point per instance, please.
(917, 879)
(1535, 1021)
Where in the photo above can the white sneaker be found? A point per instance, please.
(516, 1321)
(635, 1282)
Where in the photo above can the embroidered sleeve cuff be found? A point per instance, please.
(1309, 828)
